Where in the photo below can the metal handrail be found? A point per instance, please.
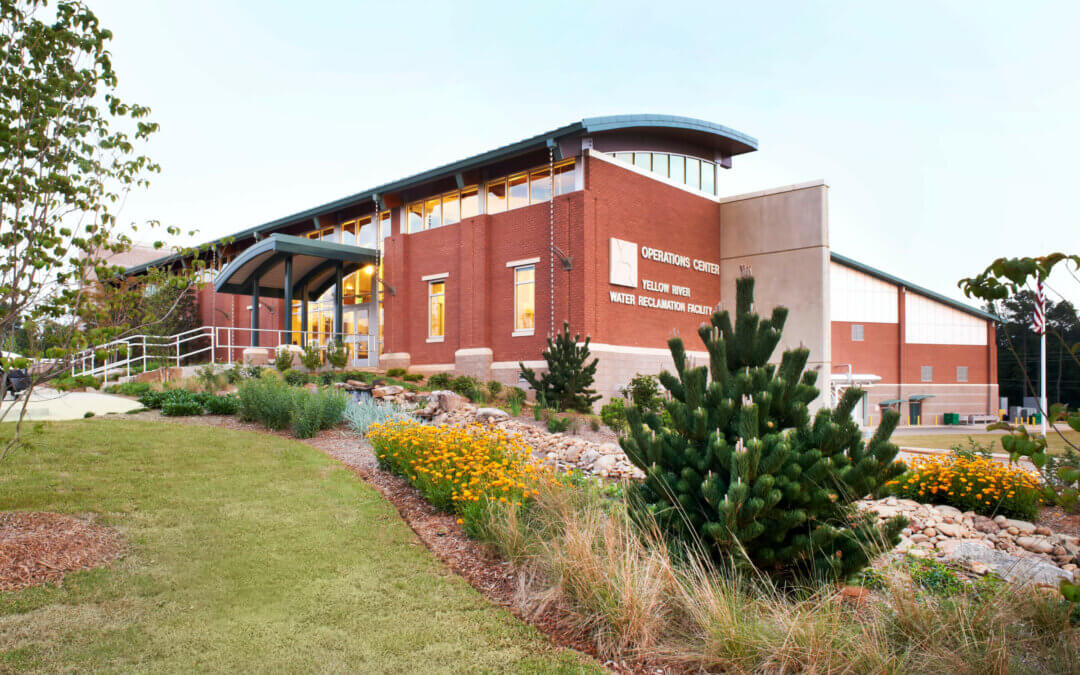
(172, 348)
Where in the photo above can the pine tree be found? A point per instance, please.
(568, 378)
(741, 466)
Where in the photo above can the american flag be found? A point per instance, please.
(1038, 321)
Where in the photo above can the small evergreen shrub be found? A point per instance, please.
(468, 387)
(226, 404)
(440, 381)
(294, 377)
(613, 415)
(88, 414)
(312, 356)
(412, 377)
(742, 471)
(395, 372)
(328, 378)
(644, 392)
(283, 359)
(556, 424)
(494, 388)
(336, 354)
(566, 384)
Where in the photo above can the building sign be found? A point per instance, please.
(623, 272)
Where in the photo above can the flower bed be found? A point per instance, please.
(976, 484)
(459, 469)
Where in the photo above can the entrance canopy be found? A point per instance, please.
(284, 266)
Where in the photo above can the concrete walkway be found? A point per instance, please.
(50, 404)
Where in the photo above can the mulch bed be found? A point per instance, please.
(40, 548)
(1060, 520)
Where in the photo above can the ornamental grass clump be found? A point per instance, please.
(459, 469)
(360, 416)
(314, 411)
(971, 483)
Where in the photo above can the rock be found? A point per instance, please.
(930, 532)
(491, 415)
(1009, 567)
(1044, 531)
(572, 454)
(977, 567)
(604, 465)
(947, 510)
(1035, 545)
(947, 546)
(856, 596)
(1021, 525)
(355, 384)
(884, 510)
(391, 390)
(950, 529)
(589, 457)
(448, 401)
(919, 538)
(984, 524)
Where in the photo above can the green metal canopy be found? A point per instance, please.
(314, 266)
(919, 397)
(891, 401)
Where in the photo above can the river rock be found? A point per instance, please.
(489, 414)
(1035, 544)
(1010, 567)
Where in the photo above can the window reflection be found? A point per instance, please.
(517, 191)
(496, 196)
(540, 186)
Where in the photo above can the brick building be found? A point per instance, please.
(614, 224)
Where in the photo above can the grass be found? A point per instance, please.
(947, 440)
(247, 552)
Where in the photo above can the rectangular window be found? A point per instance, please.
(433, 213)
(693, 173)
(451, 209)
(856, 332)
(518, 191)
(678, 169)
(627, 157)
(660, 164)
(384, 229)
(365, 233)
(643, 160)
(470, 202)
(564, 177)
(415, 217)
(540, 186)
(524, 299)
(927, 373)
(496, 196)
(708, 177)
(961, 374)
(436, 309)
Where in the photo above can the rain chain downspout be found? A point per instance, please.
(551, 239)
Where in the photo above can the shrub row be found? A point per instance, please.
(277, 406)
(184, 403)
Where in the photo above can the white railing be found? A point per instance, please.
(214, 344)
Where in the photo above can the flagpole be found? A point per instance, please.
(1040, 297)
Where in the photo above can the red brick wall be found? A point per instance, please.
(479, 289)
(876, 354)
(626, 205)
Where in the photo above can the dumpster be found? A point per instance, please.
(952, 418)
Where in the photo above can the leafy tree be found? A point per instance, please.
(566, 384)
(1005, 286)
(742, 467)
(1015, 334)
(68, 155)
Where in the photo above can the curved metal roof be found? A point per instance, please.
(314, 266)
(721, 138)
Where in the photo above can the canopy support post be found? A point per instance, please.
(255, 313)
(303, 317)
(287, 314)
(339, 300)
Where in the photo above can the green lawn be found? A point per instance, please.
(944, 441)
(248, 552)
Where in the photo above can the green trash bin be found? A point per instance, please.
(952, 418)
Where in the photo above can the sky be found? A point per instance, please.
(947, 131)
